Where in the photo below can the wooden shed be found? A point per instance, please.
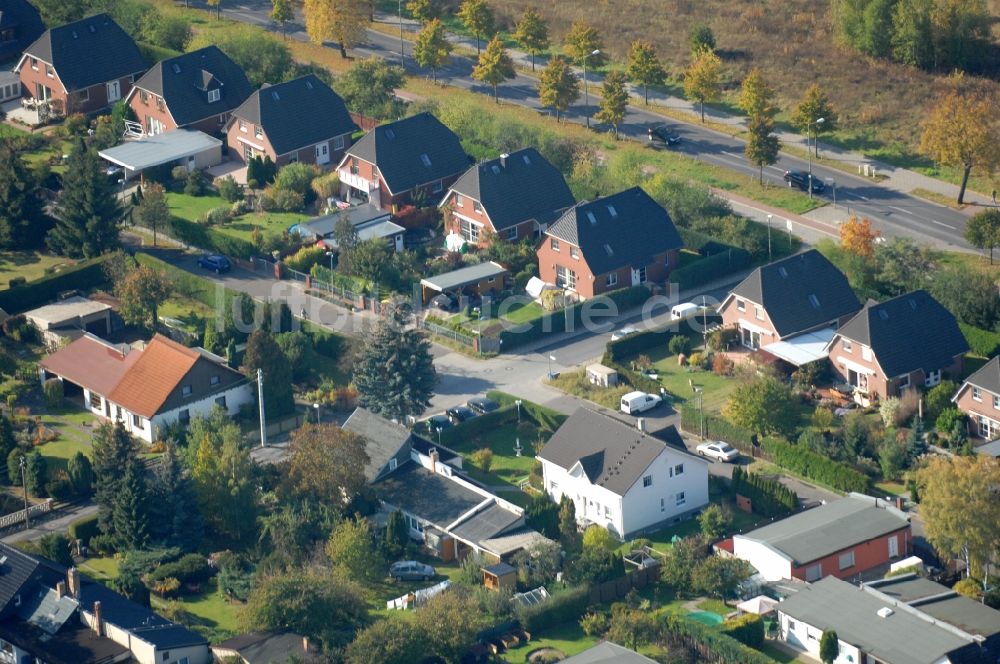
(500, 575)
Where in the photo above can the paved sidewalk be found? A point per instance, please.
(899, 179)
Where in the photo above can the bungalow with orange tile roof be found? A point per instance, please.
(150, 388)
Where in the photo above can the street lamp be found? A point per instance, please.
(400, 14)
(551, 360)
(701, 410)
(586, 95)
(330, 255)
(809, 133)
(316, 407)
(24, 464)
(518, 404)
(769, 217)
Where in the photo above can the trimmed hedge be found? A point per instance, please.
(711, 267)
(984, 343)
(717, 427)
(559, 609)
(715, 646)
(571, 318)
(82, 276)
(748, 629)
(815, 466)
(769, 498)
(208, 239)
(634, 344)
(190, 568)
(83, 529)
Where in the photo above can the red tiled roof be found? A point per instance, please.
(91, 363)
(157, 372)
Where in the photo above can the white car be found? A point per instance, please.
(622, 333)
(718, 450)
(639, 402)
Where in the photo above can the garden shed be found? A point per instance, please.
(499, 576)
(603, 376)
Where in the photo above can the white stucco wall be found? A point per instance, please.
(594, 504)
(771, 564)
(806, 637)
(236, 396)
(645, 506)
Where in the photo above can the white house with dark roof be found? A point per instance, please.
(620, 477)
(791, 307)
(512, 197)
(843, 538)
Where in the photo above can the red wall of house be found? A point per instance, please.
(731, 316)
(974, 409)
(306, 155)
(151, 108)
(867, 555)
(524, 229)
(72, 103)
(588, 284)
(878, 383)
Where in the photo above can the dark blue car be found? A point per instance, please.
(215, 262)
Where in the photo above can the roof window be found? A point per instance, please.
(425, 159)
(527, 160)
(176, 67)
(495, 169)
(782, 271)
(609, 250)
(591, 217)
(390, 134)
(612, 211)
(913, 304)
(883, 314)
(813, 300)
(309, 84)
(274, 95)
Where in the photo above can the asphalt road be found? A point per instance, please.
(894, 213)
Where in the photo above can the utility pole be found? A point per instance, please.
(24, 465)
(260, 400)
(769, 237)
(402, 63)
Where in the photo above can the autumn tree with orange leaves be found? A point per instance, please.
(858, 237)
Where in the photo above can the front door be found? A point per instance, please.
(323, 153)
(114, 91)
(894, 546)
(637, 276)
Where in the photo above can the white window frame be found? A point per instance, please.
(845, 344)
(186, 390)
(214, 95)
(477, 206)
(116, 87)
(469, 230)
(680, 499)
(459, 200)
(933, 378)
(903, 385)
(612, 279)
(512, 233)
(758, 312)
(977, 394)
(554, 244)
(741, 305)
(814, 572)
(647, 481)
(437, 187)
(574, 253)
(565, 278)
(338, 142)
(846, 560)
(243, 126)
(137, 421)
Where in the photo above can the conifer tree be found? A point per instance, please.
(87, 214)
(130, 515)
(23, 221)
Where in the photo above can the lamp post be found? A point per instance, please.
(330, 255)
(551, 359)
(399, 9)
(586, 95)
(518, 404)
(769, 217)
(701, 411)
(316, 408)
(809, 133)
(23, 463)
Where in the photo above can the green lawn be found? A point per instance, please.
(715, 606)
(521, 312)
(576, 383)
(210, 612)
(507, 466)
(28, 264)
(782, 656)
(75, 427)
(677, 379)
(567, 638)
(191, 313)
(195, 208)
(100, 569)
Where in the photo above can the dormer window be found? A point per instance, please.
(214, 95)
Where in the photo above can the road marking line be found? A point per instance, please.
(901, 210)
(940, 223)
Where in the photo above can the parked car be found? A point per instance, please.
(435, 422)
(634, 403)
(460, 414)
(444, 302)
(411, 570)
(664, 134)
(801, 180)
(215, 262)
(622, 333)
(718, 450)
(482, 405)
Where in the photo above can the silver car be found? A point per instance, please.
(411, 570)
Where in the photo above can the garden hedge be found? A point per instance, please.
(83, 529)
(748, 629)
(571, 318)
(769, 498)
(209, 239)
(711, 267)
(82, 276)
(714, 646)
(190, 568)
(984, 343)
(634, 344)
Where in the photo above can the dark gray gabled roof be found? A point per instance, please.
(488, 523)
(89, 51)
(613, 454)
(17, 571)
(297, 113)
(522, 186)
(800, 292)
(183, 82)
(136, 619)
(412, 152)
(909, 332)
(624, 229)
(827, 529)
(608, 653)
(384, 440)
(23, 19)
(987, 377)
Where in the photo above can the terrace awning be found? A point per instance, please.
(802, 348)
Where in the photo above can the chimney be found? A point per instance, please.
(434, 459)
(503, 160)
(98, 620)
(899, 503)
(61, 589)
(305, 644)
(73, 582)
(641, 424)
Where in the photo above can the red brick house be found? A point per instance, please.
(907, 342)
(512, 197)
(196, 90)
(979, 398)
(301, 120)
(81, 67)
(842, 538)
(412, 160)
(614, 242)
(791, 297)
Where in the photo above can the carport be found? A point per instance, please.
(180, 147)
(481, 278)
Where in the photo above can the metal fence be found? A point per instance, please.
(449, 333)
(333, 289)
